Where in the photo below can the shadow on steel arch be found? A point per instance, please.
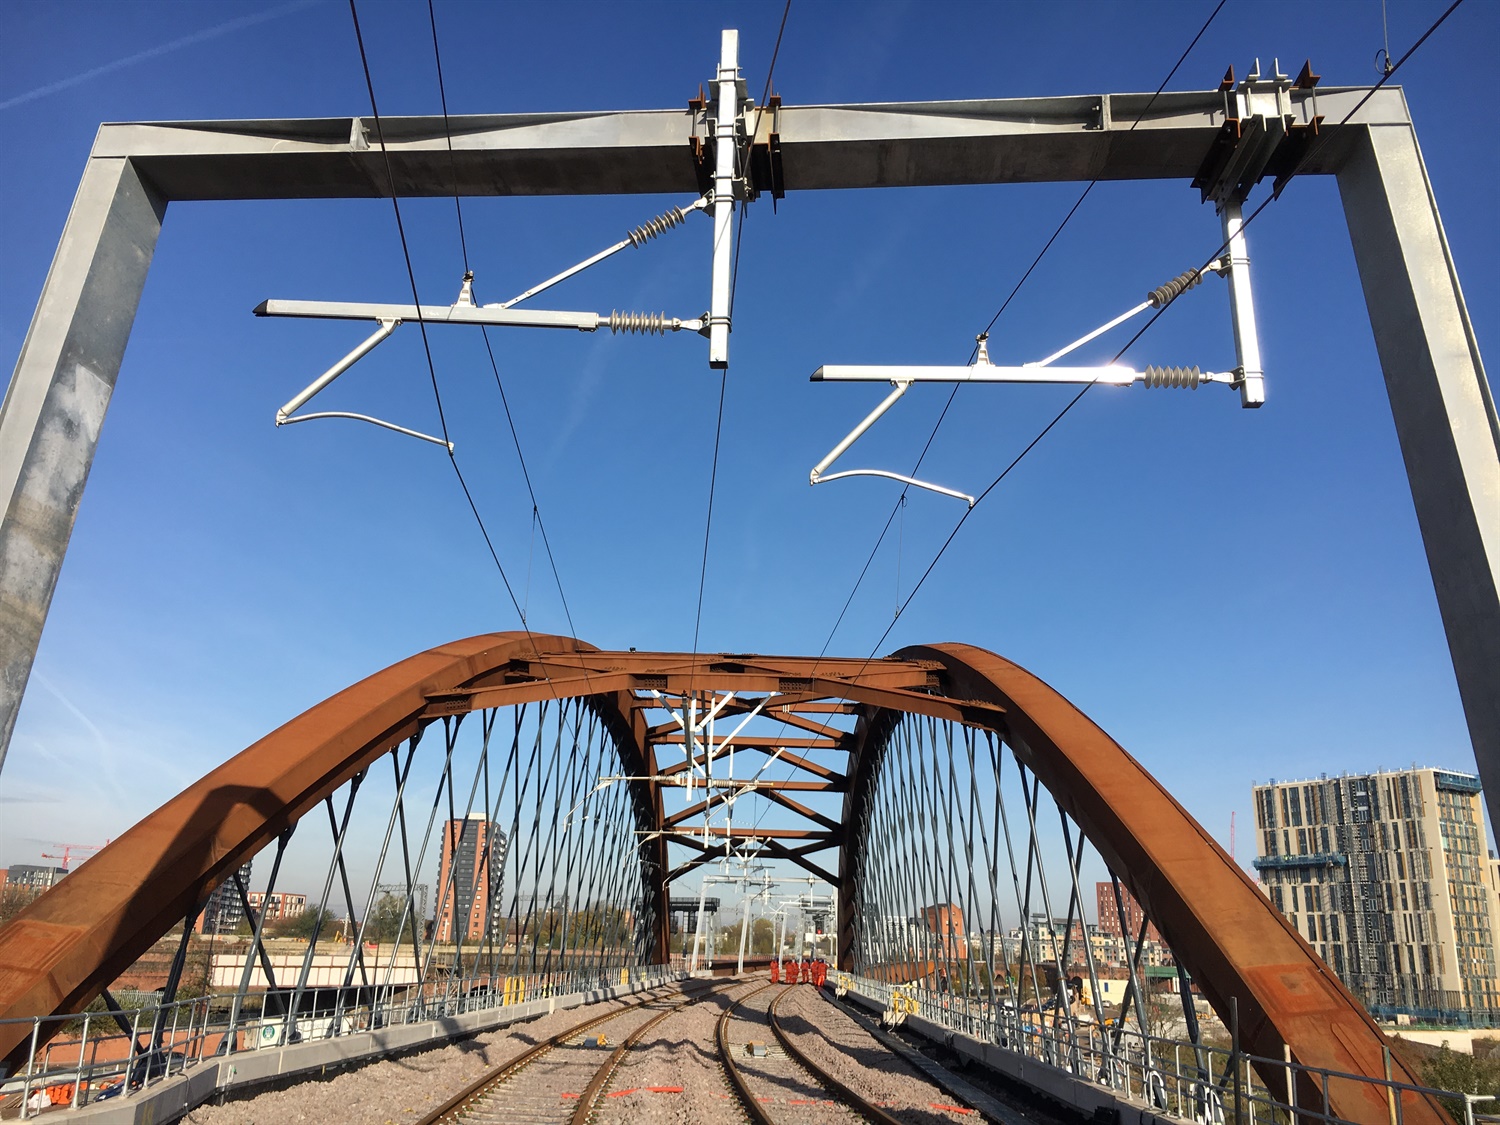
(69, 945)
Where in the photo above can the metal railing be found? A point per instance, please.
(1205, 1083)
(82, 1059)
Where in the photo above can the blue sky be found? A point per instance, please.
(1234, 595)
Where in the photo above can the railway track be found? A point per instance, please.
(494, 1098)
(563, 1064)
(774, 1112)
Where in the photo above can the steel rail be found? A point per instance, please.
(600, 1082)
(869, 1109)
(726, 1056)
(452, 1110)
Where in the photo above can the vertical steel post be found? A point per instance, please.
(726, 153)
(1443, 409)
(83, 1043)
(36, 1028)
(744, 932)
(54, 407)
(1234, 1059)
(1242, 306)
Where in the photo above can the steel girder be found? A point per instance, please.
(59, 953)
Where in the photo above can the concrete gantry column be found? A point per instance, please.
(55, 404)
(1443, 409)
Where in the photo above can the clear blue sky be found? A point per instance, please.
(1234, 595)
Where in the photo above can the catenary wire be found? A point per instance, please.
(1046, 429)
(510, 421)
(1302, 161)
(411, 277)
(431, 366)
(953, 394)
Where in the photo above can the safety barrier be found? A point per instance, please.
(1206, 1083)
(100, 1061)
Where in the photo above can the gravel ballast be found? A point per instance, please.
(673, 1076)
(850, 1054)
(400, 1090)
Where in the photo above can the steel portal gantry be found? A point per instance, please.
(1444, 412)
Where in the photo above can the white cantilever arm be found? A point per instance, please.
(286, 415)
(902, 385)
(387, 326)
(638, 236)
(981, 372)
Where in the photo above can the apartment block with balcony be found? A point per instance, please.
(1387, 876)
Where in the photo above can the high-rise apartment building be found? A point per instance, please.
(224, 910)
(471, 880)
(1387, 876)
(1109, 913)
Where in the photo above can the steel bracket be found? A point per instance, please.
(1265, 132)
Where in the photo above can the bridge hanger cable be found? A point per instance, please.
(1153, 319)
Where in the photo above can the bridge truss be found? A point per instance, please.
(944, 792)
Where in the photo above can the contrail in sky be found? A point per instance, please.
(153, 52)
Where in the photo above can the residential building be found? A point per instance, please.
(224, 910)
(1110, 910)
(33, 876)
(471, 880)
(946, 920)
(1388, 878)
(279, 906)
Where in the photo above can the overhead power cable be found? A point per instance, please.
(431, 367)
(1005, 304)
(411, 277)
(1296, 168)
(900, 500)
(510, 420)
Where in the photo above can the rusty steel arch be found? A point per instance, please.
(68, 945)
(1235, 944)
(62, 950)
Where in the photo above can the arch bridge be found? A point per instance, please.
(944, 793)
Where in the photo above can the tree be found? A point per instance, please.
(384, 921)
(14, 898)
(305, 924)
(763, 937)
(1461, 1073)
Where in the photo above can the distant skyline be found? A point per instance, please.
(1232, 595)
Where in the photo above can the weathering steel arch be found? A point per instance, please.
(71, 942)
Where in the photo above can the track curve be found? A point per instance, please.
(485, 1100)
(761, 1112)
